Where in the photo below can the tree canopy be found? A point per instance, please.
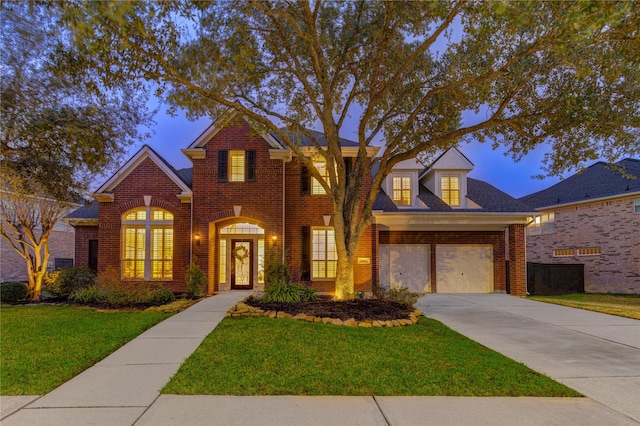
(410, 73)
(58, 127)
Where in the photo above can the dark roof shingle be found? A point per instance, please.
(598, 181)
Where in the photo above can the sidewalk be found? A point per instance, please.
(121, 387)
(596, 354)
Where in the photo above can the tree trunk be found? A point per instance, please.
(345, 285)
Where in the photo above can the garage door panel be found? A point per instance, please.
(464, 268)
(405, 265)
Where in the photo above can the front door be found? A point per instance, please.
(241, 264)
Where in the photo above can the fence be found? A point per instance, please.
(547, 279)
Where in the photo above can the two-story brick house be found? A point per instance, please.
(247, 196)
(591, 218)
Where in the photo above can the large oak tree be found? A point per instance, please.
(564, 73)
(58, 129)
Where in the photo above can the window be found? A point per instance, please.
(236, 166)
(223, 261)
(316, 186)
(236, 171)
(402, 190)
(589, 251)
(450, 190)
(542, 224)
(147, 249)
(324, 256)
(636, 205)
(563, 252)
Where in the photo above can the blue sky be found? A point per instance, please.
(171, 134)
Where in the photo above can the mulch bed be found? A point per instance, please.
(360, 310)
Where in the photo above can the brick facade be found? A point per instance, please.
(610, 225)
(146, 179)
(274, 198)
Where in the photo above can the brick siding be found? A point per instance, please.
(611, 225)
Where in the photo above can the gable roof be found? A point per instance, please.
(490, 198)
(599, 180)
(452, 159)
(104, 193)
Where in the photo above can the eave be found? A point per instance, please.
(347, 151)
(81, 221)
(454, 221)
(589, 201)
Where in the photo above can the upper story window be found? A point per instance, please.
(450, 186)
(147, 244)
(316, 186)
(636, 205)
(542, 224)
(402, 190)
(236, 165)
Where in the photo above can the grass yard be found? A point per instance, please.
(44, 346)
(263, 356)
(624, 305)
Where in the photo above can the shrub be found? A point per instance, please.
(63, 282)
(110, 290)
(13, 291)
(274, 269)
(196, 279)
(400, 295)
(281, 291)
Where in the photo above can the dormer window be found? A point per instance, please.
(450, 186)
(402, 190)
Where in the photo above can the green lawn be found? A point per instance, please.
(263, 356)
(624, 305)
(44, 346)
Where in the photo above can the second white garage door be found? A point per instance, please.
(464, 268)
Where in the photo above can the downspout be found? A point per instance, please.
(191, 233)
(283, 204)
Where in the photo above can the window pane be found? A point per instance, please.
(324, 253)
(223, 261)
(237, 166)
(261, 261)
(316, 186)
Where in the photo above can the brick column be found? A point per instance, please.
(517, 260)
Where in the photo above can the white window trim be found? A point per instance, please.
(148, 225)
(636, 205)
(460, 194)
(243, 165)
(326, 261)
(412, 187)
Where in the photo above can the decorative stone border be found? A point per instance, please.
(241, 309)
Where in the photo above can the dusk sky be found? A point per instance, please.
(174, 133)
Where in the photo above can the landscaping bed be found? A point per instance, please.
(360, 310)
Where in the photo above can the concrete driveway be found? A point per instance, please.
(596, 354)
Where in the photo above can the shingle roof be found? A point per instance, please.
(318, 136)
(597, 181)
(488, 196)
(88, 211)
(186, 175)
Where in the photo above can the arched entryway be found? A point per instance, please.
(240, 256)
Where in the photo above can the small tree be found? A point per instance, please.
(26, 223)
(196, 279)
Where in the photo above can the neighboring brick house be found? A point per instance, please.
(591, 218)
(245, 196)
(61, 250)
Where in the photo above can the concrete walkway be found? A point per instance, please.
(121, 387)
(596, 354)
(593, 353)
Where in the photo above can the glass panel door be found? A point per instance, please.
(241, 264)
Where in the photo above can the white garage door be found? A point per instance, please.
(405, 265)
(464, 268)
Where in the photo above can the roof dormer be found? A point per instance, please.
(402, 184)
(446, 177)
